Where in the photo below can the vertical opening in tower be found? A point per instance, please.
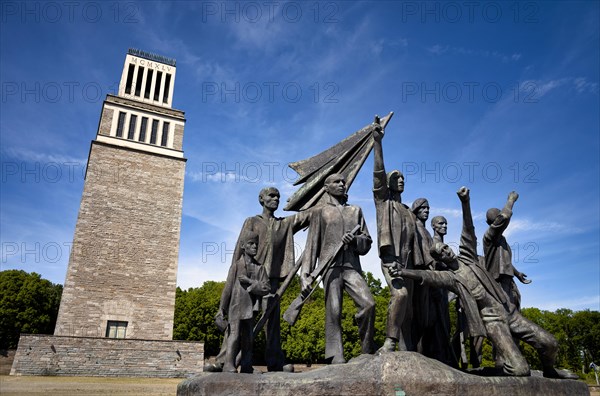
(167, 86)
(148, 84)
(138, 82)
(157, 85)
(129, 80)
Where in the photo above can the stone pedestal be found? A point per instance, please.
(393, 374)
(106, 357)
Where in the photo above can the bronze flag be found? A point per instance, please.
(345, 157)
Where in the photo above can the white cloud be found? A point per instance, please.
(438, 49)
(378, 47)
(536, 89)
(543, 87)
(582, 85)
(455, 213)
(45, 157)
(524, 225)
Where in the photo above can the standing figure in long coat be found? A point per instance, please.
(330, 225)
(276, 253)
(432, 319)
(398, 248)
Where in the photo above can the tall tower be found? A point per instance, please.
(122, 270)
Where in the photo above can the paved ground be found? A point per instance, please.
(95, 386)
(88, 386)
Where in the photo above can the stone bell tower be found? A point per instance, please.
(122, 271)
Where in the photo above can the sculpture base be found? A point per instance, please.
(40, 354)
(394, 374)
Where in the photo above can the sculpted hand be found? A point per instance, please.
(463, 194)
(221, 322)
(305, 282)
(523, 278)
(348, 238)
(513, 196)
(244, 280)
(377, 132)
(392, 269)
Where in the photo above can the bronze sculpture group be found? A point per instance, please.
(419, 270)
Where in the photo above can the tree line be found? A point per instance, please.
(29, 304)
(578, 333)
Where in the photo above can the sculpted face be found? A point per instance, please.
(442, 252)
(440, 225)
(251, 247)
(336, 185)
(423, 212)
(396, 182)
(448, 254)
(270, 199)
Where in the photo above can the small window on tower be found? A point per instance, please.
(165, 135)
(138, 82)
(132, 122)
(154, 131)
(143, 127)
(129, 78)
(120, 124)
(116, 329)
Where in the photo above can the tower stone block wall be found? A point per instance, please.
(123, 264)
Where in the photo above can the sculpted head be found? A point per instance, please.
(420, 208)
(395, 181)
(335, 185)
(269, 198)
(439, 225)
(442, 252)
(250, 244)
(491, 215)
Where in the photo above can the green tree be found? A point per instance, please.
(196, 308)
(195, 311)
(305, 341)
(28, 304)
(586, 335)
(382, 298)
(559, 324)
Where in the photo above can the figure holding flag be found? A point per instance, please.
(337, 236)
(398, 248)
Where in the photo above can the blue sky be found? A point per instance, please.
(497, 96)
